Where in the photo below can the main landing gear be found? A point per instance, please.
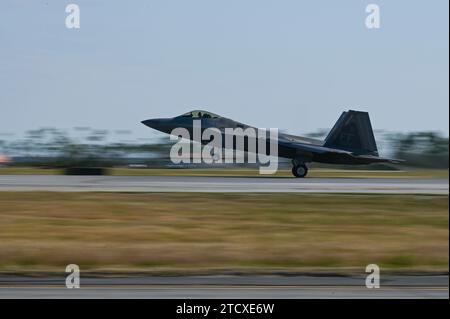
(299, 170)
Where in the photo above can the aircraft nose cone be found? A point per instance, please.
(157, 124)
(149, 123)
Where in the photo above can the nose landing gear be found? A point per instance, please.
(299, 170)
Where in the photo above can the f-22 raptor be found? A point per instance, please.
(350, 141)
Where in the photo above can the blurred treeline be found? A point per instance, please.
(420, 149)
(50, 147)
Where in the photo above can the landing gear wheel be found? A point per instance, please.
(300, 170)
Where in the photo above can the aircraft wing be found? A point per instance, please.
(301, 139)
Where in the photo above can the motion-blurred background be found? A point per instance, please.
(88, 147)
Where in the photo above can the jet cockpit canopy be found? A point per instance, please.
(199, 114)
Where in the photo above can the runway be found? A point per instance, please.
(61, 183)
(227, 287)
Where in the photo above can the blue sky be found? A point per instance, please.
(291, 64)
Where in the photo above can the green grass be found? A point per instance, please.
(213, 233)
(29, 171)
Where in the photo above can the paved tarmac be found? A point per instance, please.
(236, 287)
(61, 183)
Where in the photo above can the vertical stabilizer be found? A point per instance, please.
(353, 132)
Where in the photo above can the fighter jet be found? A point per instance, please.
(350, 141)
